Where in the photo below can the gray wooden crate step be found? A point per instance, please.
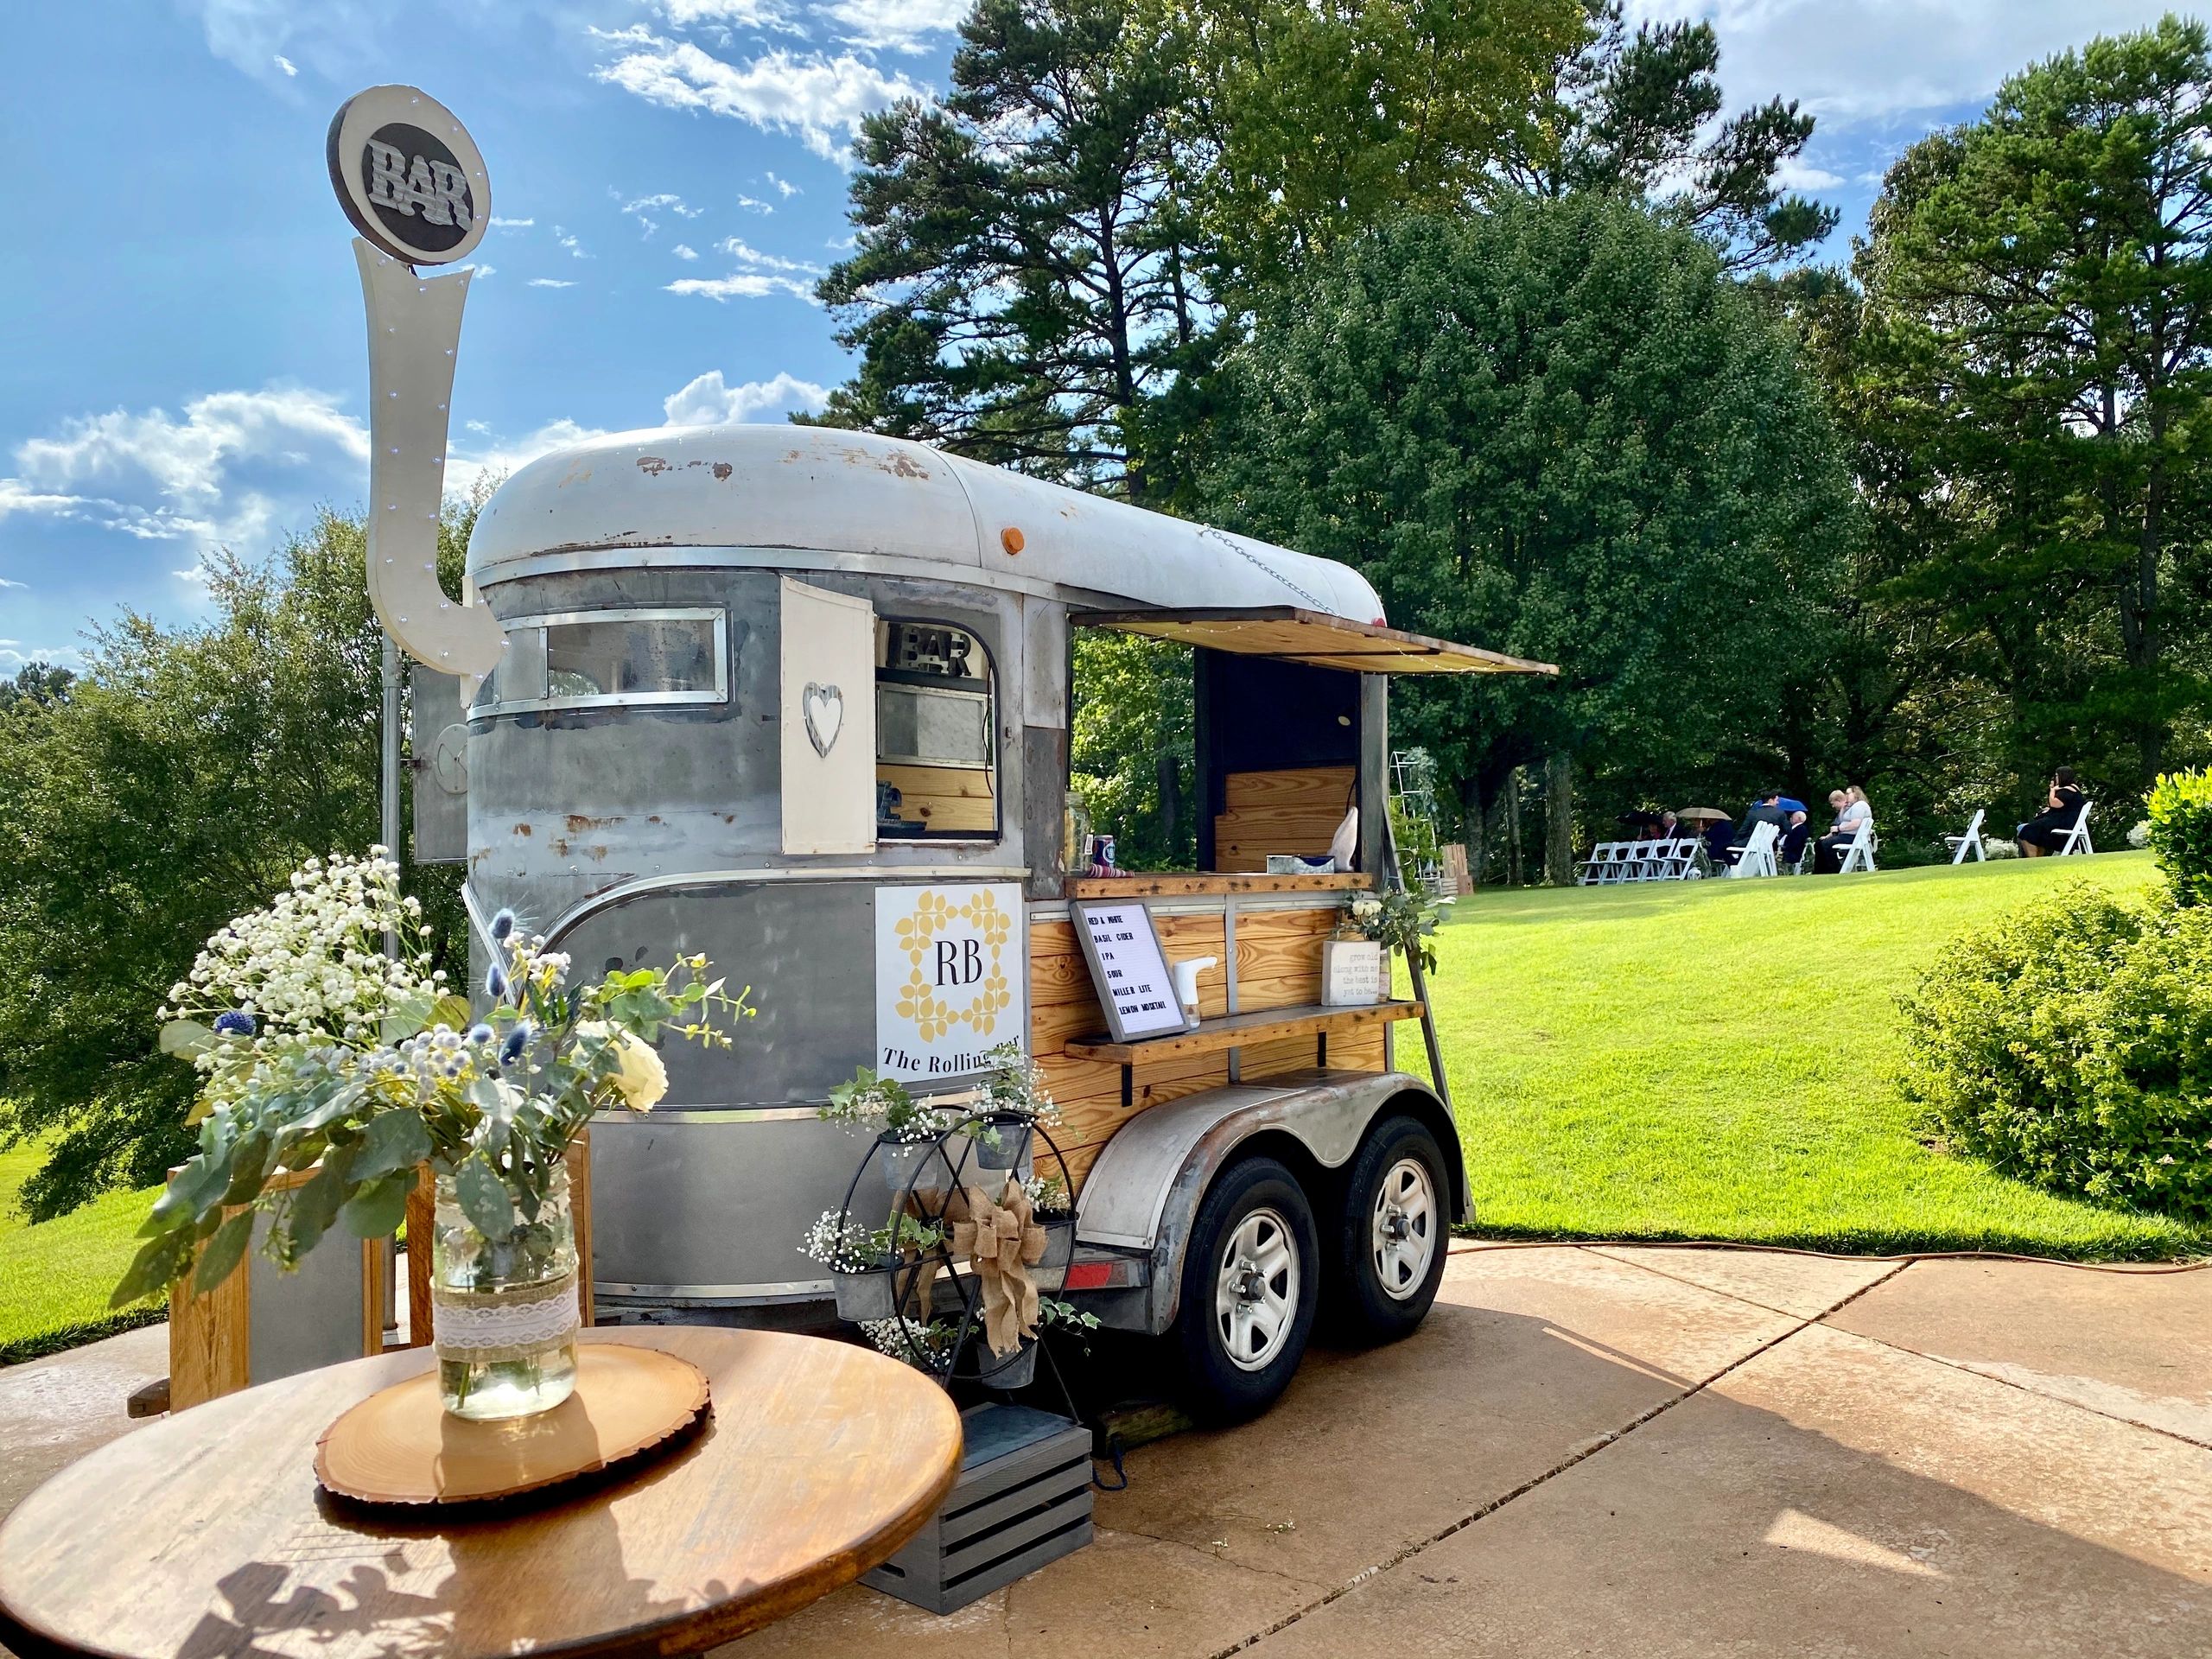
(1023, 1498)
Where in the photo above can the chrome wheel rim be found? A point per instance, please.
(1402, 1233)
(1255, 1290)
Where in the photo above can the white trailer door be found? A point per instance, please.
(828, 720)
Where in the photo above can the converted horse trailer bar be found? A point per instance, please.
(799, 698)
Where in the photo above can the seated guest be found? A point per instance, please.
(2044, 832)
(1851, 811)
(1767, 809)
(1718, 835)
(1796, 827)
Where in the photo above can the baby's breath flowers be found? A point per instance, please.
(317, 1051)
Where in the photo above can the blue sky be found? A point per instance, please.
(182, 363)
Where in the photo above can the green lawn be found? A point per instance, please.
(1718, 1059)
(55, 1278)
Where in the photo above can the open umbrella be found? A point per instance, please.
(1700, 814)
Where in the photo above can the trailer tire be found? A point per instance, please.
(1391, 1242)
(1250, 1285)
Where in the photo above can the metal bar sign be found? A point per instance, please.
(1127, 965)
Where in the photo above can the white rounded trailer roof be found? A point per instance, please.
(785, 489)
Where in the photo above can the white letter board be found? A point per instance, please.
(1128, 968)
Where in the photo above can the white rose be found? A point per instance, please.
(642, 1080)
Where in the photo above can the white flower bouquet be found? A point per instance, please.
(319, 1053)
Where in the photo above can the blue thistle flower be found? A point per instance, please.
(480, 1033)
(495, 982)
(518, 1040)
(234, 1024)
(502, 925)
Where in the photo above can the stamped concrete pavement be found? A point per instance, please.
(1657, 1452)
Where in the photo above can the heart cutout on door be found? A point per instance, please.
(823, 709)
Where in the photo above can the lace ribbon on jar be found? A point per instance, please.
(489, 1326)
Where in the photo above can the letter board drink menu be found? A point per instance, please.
(1129, 967)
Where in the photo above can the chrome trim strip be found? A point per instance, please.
(790, 558)
(883, 875)
(709, 1115)
(808, 1288)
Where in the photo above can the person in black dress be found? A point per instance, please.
(2044, 833)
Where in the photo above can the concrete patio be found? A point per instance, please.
(1608, 1450)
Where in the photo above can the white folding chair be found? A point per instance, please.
(1594, 866)
(1642, 861)
(1757, 856)
(1860, 855)
(2076, 840)
(1969, 843)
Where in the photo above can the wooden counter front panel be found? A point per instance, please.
(1278, 966)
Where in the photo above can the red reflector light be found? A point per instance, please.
(1089, 1275)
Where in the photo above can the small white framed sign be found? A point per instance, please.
(1136, 987)
(1352, 974)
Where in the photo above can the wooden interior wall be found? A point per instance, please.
(1278, 966)
(943, 797)
(1294, 811)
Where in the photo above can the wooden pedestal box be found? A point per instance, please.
(1023, 1499)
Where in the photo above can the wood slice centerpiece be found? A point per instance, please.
(401, 1446)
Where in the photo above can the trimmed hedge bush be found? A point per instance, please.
(2071, 1045)
(2181, 834)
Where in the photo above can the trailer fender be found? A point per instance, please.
(1143, 1191)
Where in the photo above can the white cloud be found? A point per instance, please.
(786, 185)
(14, 654)
(1800, 174)
(1849, 61)
(895, 25)
(753, 203)
(820, 97)
(549, 281)
(744, 285)
(738, 249)
(644, 207)
(287, 64)
(482, 270)
(221, 474)
(267, 39)
(466, 465)
(4, 582)
(726, 15)
(682, 251)
(563, 240)
(711, 401)
(499, 223)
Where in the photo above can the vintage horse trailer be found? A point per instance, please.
(800, 698)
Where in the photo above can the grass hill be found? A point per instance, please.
(1718, 1060)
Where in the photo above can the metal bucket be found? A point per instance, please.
(919, 1167)
(1017, 1370)
(1051, 1273)
(868, 1295)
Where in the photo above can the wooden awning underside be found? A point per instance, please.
(1314, 638)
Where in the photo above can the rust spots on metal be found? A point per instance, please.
(652, 465)
(578, 823)
(523, 829)
(723, 470)
(900, 465)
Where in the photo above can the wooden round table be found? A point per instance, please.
(207, 1535)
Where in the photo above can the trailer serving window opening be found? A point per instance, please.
(610, 659)
(936, 761)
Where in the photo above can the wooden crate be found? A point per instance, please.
(1023, 1499)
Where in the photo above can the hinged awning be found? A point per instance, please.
(1316, 637)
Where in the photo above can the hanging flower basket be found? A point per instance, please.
(1015, 1370)
(867, 1292)
(918, 1166)
(1002, 1143)
(1051, 1273)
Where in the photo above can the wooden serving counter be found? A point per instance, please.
(1265, 933)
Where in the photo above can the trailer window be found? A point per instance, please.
(587, 659)
(935, 773)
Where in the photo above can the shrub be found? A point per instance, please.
(2181, 833)
(2071, 1045)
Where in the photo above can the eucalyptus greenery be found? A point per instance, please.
(1402, 921)
(316, 1052)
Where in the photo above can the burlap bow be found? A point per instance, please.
(1003, 1241)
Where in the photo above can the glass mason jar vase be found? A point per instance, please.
(504, 1312)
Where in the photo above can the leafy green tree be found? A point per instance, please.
(1022, 288)
(1308, 122)
(2039, 337)
(1130, 756)
(35, 685)
(1635, 115)
(1561, 430)
(183, 778)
